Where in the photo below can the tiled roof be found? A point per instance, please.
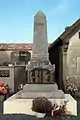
(19, 46)
(28, 46)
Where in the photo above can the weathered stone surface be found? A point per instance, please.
(31, 91)
(40, 49)
(40, 87)
(39, 70)
(31, 95)
(41, 75)
(73, 60)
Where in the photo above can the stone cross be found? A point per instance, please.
(40, 49)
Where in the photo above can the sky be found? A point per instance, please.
(17, 18)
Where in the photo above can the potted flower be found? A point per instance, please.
(60, 110)
(71, 89)
(4, 91)
(42, 106)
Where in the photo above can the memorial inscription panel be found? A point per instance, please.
(4, 73)
(39, 75)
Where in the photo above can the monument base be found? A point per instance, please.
(50, 95)
(21, 102)
(23, 106)
(31, 91)
(40, 87)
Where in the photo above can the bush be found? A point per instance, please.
(42, 105)
(71, 88)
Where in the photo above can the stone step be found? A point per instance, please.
(40, 87)
(31, 95)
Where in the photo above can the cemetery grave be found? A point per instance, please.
(40, 77)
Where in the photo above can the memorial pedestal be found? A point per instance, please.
(23, 106)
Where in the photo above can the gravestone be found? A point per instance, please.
(39, 70)
(40, 49)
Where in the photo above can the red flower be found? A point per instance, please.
(3, 88)
(3, 84)
(4, 91)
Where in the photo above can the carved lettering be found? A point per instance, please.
(52, 77)
(41, 76)
(45, 77)
(37, 76)
(31, 77)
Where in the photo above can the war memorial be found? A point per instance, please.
(40, 76)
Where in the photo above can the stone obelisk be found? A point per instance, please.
(40, 73)
(40, 49)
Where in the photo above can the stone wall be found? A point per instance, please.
(8, 79)
(73, 60)
(4, 56)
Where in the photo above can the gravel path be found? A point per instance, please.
(1, 107)
(21, 117)
(28, 117)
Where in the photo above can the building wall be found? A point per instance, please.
(5, 55)
(73, 59)
(10, 79)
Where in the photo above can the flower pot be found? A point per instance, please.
(40, 115)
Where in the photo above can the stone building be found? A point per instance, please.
(15, 53)
(64, 52)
